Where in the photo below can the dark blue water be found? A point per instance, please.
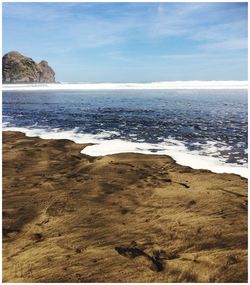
(193, 117)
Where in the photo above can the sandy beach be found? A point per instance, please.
(69, 217)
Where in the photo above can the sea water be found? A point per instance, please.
(198, 127)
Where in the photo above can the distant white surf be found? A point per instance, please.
(176, 149)
(127, 86)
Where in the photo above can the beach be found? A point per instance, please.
(129, 217)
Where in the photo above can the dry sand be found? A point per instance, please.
(68, 217)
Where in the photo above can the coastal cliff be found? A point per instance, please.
(17, 68)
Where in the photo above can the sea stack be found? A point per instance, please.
(17, 68)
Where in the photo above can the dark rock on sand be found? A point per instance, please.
(153, 262)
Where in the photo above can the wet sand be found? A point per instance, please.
(68, 217)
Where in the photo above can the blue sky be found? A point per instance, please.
(131, 42)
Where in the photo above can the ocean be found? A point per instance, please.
(200, 128)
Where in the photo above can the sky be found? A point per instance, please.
(131, 42)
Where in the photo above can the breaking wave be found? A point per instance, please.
(132, 86)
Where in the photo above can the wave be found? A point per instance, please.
(129, 86)
(102, 145)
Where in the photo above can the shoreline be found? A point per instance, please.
(97, 145)
(69, 217)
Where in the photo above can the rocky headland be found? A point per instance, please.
(17, 68)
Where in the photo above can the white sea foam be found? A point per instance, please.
(176, 149)
(57, 133)
(133, 86)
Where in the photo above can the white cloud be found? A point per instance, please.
(230, 44)
(78, 25)
(191, 21)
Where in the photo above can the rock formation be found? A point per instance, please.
(17, 68)
(47, 74)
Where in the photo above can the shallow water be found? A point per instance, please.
(211, 124)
